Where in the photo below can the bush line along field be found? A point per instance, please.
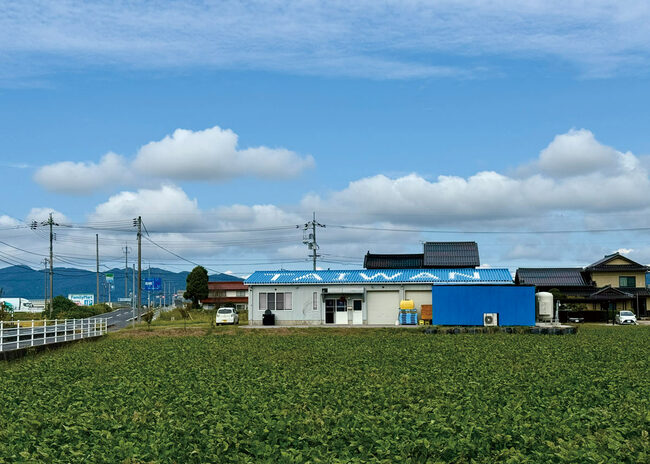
(379, 395)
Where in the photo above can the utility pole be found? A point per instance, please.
(50, 222)
(126, 271)
(97, 263)
(45, 285)
(149, 291)
(309, 237)
(133, 296)
(138, 223)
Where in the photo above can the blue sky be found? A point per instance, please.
(535, 113)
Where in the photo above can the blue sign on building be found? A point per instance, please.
(153, 284)
(433, 276)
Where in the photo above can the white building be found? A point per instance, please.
(356, 297)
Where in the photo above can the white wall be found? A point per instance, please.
(302, 312)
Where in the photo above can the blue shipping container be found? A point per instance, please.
(466, 304)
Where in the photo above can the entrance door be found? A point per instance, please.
(329, 311)
(341, 311)
(357, 313)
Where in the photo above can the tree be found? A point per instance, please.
(148, 317)
(185, 314)
(557, 294)
(4, 314)
(197, 285)
(3, 310)
(61, 305)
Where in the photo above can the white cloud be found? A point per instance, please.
(568, 179)
(212, 154)
(246, 237)
(577, 152)
(80, 178)
(7, 221)
(43, 213)
(371, 38)
(207, 155)
(255, 216)
(16, 165)
(521, 251)
(168, 206)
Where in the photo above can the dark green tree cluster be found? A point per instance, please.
(63, 308)
(197, 286)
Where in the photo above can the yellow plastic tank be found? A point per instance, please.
(406, 304)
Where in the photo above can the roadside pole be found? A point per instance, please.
(133, 299)
(138, 223)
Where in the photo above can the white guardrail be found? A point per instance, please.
(16, 335)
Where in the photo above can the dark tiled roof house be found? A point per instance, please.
(613, 283)
(443, 255)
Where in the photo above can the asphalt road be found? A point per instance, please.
(118, 319)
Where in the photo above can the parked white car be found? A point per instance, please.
(625, 317)
(227, 315)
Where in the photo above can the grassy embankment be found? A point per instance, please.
(198, 319)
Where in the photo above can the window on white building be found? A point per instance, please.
(275, 301)
(314, 301)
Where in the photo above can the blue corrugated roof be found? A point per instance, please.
(432, 276)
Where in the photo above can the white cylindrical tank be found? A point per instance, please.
(544, 306)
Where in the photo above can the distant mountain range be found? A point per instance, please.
(25, 282)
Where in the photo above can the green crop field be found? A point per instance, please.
(321, 395)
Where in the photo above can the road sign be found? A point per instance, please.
(82, 299)
(110, 278)
(153, 284)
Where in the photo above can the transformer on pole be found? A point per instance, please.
(309, 237)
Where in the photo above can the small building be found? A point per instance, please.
(227, 293)
(613, 283)
(354, 297)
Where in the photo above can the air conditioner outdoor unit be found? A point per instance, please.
(490, 319)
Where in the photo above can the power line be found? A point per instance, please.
(22, 249)
(177, 255)
(500, 232)
(227, 231)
